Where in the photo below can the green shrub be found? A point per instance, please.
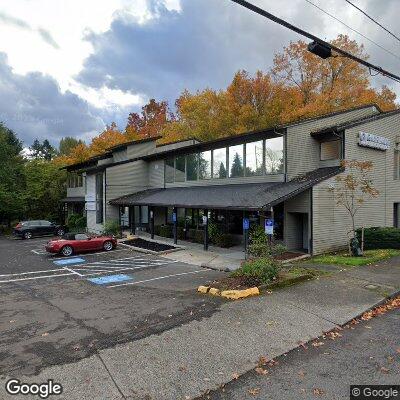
(263, 249)
(157, 230)
(181, 232)
(380, 238)
(166, 231)
(199, 236)
(213, 232)
(71, 220)
(257, 234)
(80, 222)
(263, 269)
(226, 240)
(111, 227)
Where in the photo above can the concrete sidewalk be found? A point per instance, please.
(186, 361)
(193, 253)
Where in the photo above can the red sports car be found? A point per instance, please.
(72, 243)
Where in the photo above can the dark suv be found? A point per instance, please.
(29, 229)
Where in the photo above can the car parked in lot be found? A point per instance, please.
(29, 229)
(72, 243)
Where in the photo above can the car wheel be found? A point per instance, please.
(67, 251)
(107, 245)
(60, 232)
(27, 235)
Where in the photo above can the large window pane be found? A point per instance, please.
(180, 169)
(169, 170)
(205, 165)
(236, 161)
(219, 163)
(274, 155)
(192, 166)
(254, 158)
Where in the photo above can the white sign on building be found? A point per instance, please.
(373, 141)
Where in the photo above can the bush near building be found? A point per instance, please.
(111, 227)
(262, 270)
(380, 238)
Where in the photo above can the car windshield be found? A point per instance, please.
(69, 236)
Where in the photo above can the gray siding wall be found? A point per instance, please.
(292, 230)
(122, 180)
(76, 192)
(140, 149)
(303, 151)
(229, 181)
(173, 146)
(156, 174)
(92, 226)
(120, 155)
(332, 222)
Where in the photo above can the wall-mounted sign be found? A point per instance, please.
(90, 197)
(269, 226)
(373, 141)
(90, 206)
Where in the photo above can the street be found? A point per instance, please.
(367, 354)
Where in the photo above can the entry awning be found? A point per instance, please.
(248, 196)
(73, 200)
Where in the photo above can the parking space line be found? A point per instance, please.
(35, 277)
(74, 272)
(33, 272)
(158, 278)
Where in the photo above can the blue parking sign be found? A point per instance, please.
(246, 224)
(269, 226)
(173, 217)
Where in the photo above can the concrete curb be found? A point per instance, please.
(229, 294)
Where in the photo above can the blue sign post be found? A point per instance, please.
(174, 219)
(269, 226)
(246, 224)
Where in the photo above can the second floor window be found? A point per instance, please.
(396, 164)
(74, 180)
(331, 150)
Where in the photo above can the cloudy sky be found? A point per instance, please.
(68, 67)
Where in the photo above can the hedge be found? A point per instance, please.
(380, 238)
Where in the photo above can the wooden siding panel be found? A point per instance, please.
(303, 150)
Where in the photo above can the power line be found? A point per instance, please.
(352, 29)
(373, 20)
(302, 32)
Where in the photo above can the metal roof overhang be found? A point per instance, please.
(248, 196)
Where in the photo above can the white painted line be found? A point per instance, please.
(33, 272)
(158, 278)
(97, 253)
(35, 277)
(74, 272)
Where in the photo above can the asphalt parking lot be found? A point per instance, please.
(57, 310)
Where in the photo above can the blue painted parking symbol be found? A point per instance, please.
(103, 280)
(68, 261)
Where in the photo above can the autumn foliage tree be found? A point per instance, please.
(299, 85)
(353, 188)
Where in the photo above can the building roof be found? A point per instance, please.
(138, 141)
(274, 131)
(249, 196)
(350, 124)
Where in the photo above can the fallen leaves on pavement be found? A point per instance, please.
(318, 392)
(254, 392)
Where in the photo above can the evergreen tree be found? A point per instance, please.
(237, 166)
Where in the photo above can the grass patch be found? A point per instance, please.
(370, 257)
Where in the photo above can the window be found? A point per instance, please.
(274, 155)
(74, 180)
(205, 165)
(99, 198)
(192, 166)
(219, 163)
(396, 215)
(169, 170)
(331, 150)
(180, 169)
(254, 158)
(236, 161)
